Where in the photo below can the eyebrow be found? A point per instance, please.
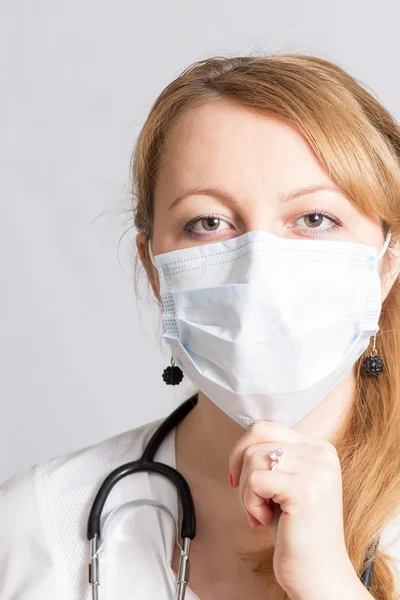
(226, 196)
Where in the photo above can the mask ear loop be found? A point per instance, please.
(373, 364)
(385, 246)
(172, 375)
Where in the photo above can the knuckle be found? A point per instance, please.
(260, 428)
(329, 447)
(330, 455)
(326, 453)
(250, 451)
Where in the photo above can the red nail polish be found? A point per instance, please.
(230, 479)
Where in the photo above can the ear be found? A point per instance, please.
(142, 239)
(390, 268)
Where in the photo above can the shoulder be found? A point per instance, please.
(43, 515)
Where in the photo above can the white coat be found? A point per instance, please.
(44, 551)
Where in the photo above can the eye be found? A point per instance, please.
(314, 219)
(203, 225)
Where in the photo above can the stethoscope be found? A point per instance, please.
(188, 530)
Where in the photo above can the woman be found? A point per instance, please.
(268, 211)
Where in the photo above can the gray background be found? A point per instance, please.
(78, 361)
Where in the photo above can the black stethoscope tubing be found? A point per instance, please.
(146, 463)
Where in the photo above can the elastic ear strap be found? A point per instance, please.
(151, 253)
(385, 245)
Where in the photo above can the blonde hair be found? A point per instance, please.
(358, 143)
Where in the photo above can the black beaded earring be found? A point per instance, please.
(172, 375)
(373, 364)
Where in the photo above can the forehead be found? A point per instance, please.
(221, 141)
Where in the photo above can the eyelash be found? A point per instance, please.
(187, 227)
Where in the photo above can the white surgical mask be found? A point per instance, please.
(266, 326)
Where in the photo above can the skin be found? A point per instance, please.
(258, 158)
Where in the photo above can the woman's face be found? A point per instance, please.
(227, 170)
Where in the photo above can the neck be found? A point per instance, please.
(205, 438)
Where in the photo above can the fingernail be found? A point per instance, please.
(230, 479)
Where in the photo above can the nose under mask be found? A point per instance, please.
(267, 326)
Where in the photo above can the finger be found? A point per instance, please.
(293, 459)
(253, 522)
(264, 515)
(266, 432)
(262, 486)
(256, 457)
